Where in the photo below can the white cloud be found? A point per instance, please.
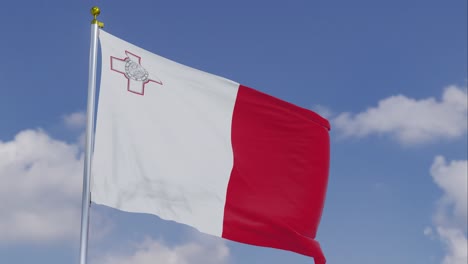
(75, 120)
(450, 217)
(150, 252)
(41, 184)
(456, 245)
(453, 180)
(409, 120)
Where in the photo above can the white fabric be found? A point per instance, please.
(166, 152)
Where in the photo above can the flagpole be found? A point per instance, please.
(86, 198)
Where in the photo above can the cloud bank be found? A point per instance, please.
(409, 120)
(151, 251)
(41, 184)
(450, 217)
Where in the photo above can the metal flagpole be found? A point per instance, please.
(86, 199)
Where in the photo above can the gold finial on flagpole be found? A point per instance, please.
(95, 11)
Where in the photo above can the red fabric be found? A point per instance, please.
(278, 182)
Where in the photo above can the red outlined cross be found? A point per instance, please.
(137, 76)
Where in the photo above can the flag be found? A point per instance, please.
(207, 152)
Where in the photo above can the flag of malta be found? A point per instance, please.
(202, 150)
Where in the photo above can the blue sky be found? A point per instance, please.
(391, 76)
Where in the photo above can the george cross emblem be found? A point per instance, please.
(137, 76)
